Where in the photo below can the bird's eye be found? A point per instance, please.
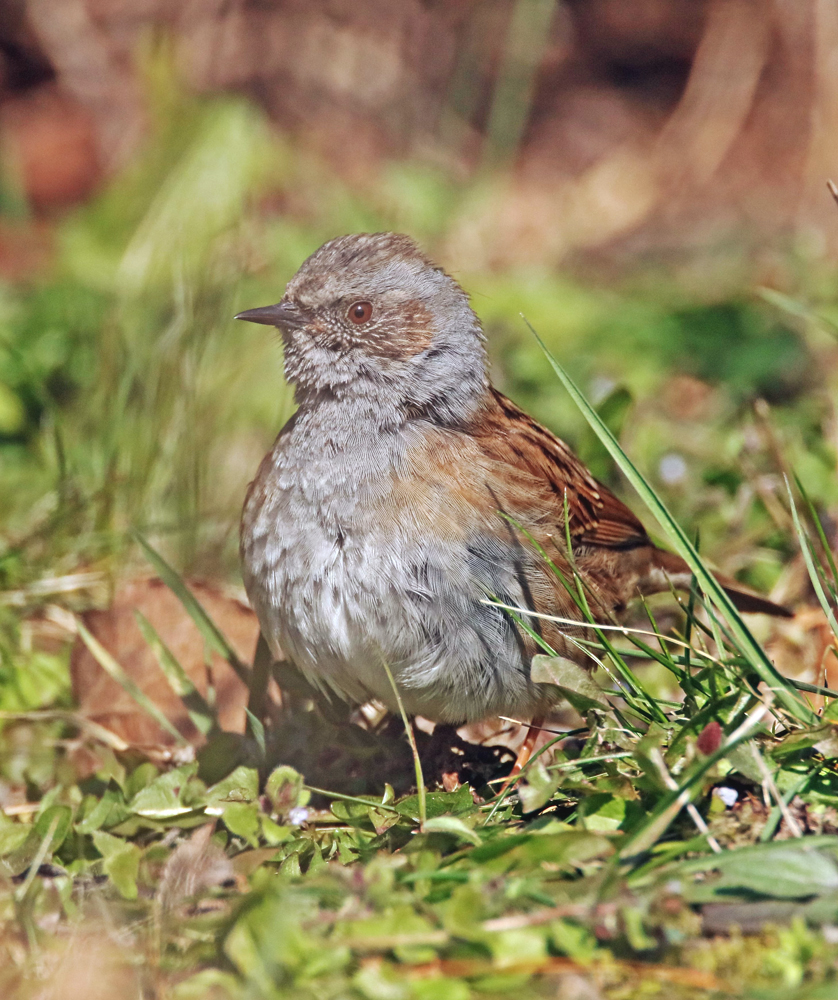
(360, 312)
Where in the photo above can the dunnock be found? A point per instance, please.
(406, 490)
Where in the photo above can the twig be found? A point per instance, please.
(20, 809)
(371, 803)
(624, 629)
(768, 782)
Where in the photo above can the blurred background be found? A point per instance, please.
(644, 179)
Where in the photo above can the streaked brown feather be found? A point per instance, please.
(616, 552)
(596, 516)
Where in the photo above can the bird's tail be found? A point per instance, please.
(673, 571)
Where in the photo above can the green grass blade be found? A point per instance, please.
(260, 678)
(812, 569)
(821, 534)
(577, 594)
(370, 802)
(36, 862)
(257, 731)
(212, 635)
(115, 671)
(757, 656)
(776, 813)
(417, 763)
(815, 689)
(201, 714)
(798, 310)
(622, 668)
(542, 644)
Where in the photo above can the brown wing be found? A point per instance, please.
(596, 516)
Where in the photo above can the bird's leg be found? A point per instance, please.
(525, 752)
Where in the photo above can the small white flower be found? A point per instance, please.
(298, 816)
(728, 795)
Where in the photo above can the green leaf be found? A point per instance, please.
(564, 849)
(778, 871)
(395, 926)
(141, 777)
(440, 988)
(257, 731)
(109, 810)
(381, 982)
(273, 833)
(121, 862)
(44, 838)
(242, 819)
(526, 944)
(438, 803)
(285, 789)
(235, 800)
(451, 824)
(742, 760)
(575, 683)
(603, 816)
(62, 817)
(12, 835)
(463, 913)
(537, 786)
(632, 920)
(799, 740)
(573, 940)
(241, 785)
(166, 796)
(643, 836)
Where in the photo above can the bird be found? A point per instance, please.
(408, 504)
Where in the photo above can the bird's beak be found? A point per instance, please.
(285, 315)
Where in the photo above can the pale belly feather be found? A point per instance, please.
(342, 600)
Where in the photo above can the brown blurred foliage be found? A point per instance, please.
(645, 124)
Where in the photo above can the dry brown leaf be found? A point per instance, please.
(102, 699)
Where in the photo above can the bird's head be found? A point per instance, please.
(371, 314)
